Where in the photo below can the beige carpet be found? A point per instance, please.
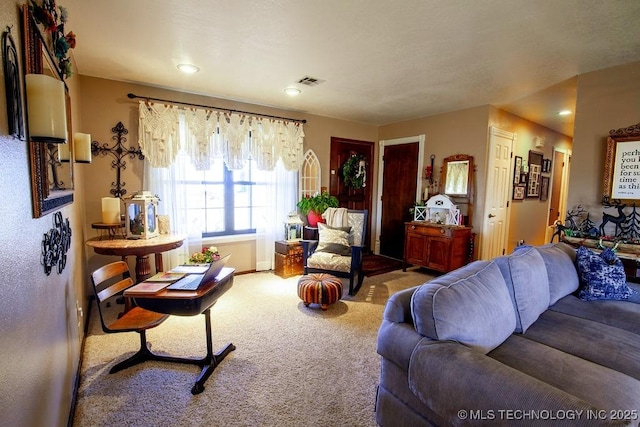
(293, 366)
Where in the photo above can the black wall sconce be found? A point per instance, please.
(11, 64)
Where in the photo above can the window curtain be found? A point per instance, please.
(282, 192)
(171, 136)
(236, 137)
(168, 184)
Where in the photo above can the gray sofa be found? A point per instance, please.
(506, 342)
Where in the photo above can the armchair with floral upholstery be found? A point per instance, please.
(339, 249)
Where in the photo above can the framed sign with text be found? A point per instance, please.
(621, 179)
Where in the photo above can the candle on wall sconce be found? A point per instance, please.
(111, 210)
(63, 153)
(46, 109)
(82, 147)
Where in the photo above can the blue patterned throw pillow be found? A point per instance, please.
(602, 276)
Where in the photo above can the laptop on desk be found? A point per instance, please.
(191, 282)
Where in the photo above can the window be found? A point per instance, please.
(223, 201)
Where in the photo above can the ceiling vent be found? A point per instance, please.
(310, 81)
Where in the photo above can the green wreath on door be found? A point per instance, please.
(354, 172)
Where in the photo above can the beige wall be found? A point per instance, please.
(460, 132)
(105, 103)
(607, 99)
(466, 132)
(39, 333)
(528, 218)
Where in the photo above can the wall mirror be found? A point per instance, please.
(456, 180)
(621, 179)
(457, 175)
(51, 179)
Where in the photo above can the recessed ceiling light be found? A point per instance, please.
(188, 68)
(292, 91)
(564, 112)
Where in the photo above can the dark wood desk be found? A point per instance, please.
(141, 248)
(190, 303)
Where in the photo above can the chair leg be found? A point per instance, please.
(141, 355)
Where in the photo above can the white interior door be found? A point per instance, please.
(495, 222)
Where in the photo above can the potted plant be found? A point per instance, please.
(313, 207)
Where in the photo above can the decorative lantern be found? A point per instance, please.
(142, 215)
(293, 227)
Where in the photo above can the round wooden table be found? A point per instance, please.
(141, 248)
(113, 230)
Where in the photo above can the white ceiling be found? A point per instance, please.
(382, 61)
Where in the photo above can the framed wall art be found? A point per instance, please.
(544, 188)
(622, 166)
(517, 167)
(535, 169)
(519, 191)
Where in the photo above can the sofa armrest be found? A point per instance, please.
(396, 342)
(450, 378)
(398, 307)
(397, 336)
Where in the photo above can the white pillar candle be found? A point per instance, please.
(63, 152)
(110, 210)
(82, 147)
(46, 108)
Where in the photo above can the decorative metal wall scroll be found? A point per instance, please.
(11, 64)
(55, 245)
(52, 161)
(119, 152)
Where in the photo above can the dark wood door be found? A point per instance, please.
(398, 195)
(352, 198)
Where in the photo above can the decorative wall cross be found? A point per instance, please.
(119, 152)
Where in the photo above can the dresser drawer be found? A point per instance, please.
(429, 230)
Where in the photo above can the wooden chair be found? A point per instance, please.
(110, 280)
(347, 266)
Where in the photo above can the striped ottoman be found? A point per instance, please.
(319, 288)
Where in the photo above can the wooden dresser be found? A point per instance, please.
(288, 258)
(437, 247)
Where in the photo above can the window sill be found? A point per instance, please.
(209, 241)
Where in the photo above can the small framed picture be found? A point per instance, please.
(519, 191)
(544, 188)
(546, 165)
(517, 167)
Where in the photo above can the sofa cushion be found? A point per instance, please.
(450, 379)
(621, 314)
(602, 276)
(588, 340)
(600, 386)
(561, 270)
(470, 306)
(525, 274)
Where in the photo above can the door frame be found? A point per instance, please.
(564, 189)
(486, 210)
(382, 144)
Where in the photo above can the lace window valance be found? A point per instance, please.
(235, 137)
